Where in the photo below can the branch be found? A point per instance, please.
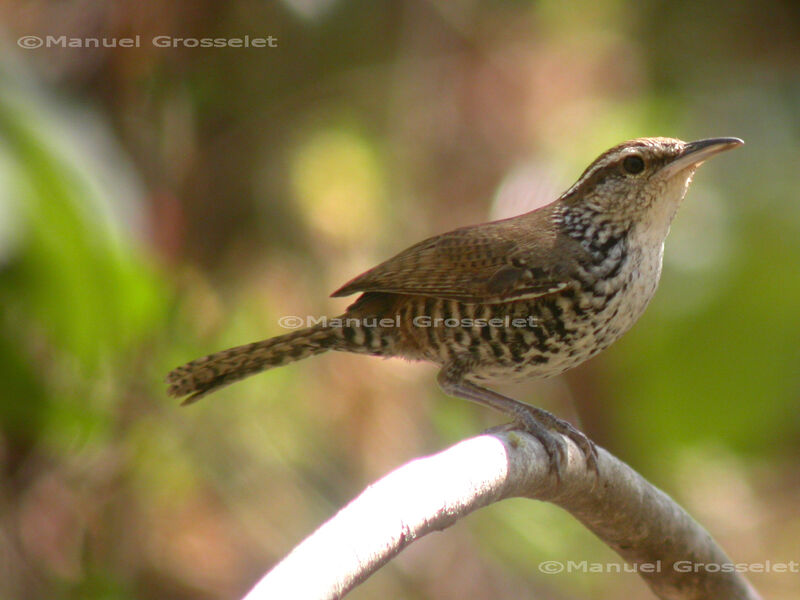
(640, 522)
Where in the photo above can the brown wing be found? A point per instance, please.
(494, 262)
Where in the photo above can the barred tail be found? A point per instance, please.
(208, 374)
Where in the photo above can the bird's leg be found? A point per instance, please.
(538, 422)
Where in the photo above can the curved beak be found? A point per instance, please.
(695, 153)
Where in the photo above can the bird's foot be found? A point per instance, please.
(546, 427)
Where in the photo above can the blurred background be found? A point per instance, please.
(157, 204)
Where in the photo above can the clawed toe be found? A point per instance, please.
(587, 446)
(545, 427)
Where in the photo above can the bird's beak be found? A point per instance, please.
(695, 153)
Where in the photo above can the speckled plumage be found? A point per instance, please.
(564, 282)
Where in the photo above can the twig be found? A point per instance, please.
(640, 522)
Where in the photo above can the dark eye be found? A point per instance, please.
(633, 164)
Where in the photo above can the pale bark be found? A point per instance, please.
(637, 520)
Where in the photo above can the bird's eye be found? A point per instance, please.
(633, 164)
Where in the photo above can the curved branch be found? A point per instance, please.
(640, 522)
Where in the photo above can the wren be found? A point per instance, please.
(526, 297)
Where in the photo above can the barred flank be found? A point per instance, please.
(208, 374)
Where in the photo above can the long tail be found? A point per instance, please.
(208, 374)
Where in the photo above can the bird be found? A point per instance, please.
(530, 296)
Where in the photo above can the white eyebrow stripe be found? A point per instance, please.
(590, 173)
(604, 160)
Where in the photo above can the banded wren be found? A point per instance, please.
(529, 296)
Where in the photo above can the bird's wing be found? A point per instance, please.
(490, 263)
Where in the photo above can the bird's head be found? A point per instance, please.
(643, 180)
